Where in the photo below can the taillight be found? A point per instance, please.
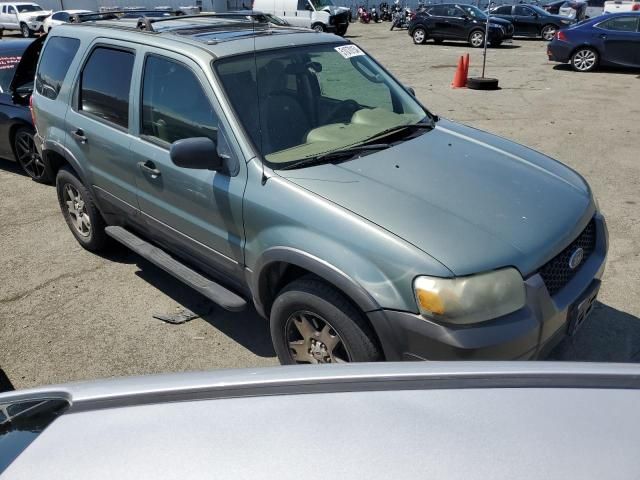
(33, 114)
(561, 35)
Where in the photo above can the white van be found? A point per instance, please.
(321, 15)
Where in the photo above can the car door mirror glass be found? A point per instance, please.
(198, 153)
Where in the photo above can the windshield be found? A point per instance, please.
(29, 8)
(474, 12)
(301, 102)
(320, 4)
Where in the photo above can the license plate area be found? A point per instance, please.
(580, 310)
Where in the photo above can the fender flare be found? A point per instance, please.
(52, 146)
(292, 256)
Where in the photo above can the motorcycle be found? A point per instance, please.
(374, 15)
(364, 15)
(385, 12)
(401, 18)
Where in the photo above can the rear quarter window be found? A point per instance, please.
(55, 60)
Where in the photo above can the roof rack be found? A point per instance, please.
(146, 23)
(118, 14)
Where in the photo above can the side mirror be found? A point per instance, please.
(411, 91)
(199, 152)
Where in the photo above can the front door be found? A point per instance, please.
(197, 212)
(301, 16)
(525, 21)
(11, 18)
(621, 40)
(98, 123)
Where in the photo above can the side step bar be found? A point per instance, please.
(207, 287)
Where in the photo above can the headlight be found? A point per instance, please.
(472, 299)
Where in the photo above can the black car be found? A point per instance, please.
(16, 124)
(531, 20)
(451, 21)
(553, 7)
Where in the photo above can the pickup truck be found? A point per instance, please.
(619, 6)
(27, 17)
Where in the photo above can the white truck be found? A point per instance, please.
(26, 17)
(320, 15)
(618, 6)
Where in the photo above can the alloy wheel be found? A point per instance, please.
(312, 339)
(477, 39)
(548, 33)
(77, 210)
(419, 36)
(584, 60)
(26, 33)
(28, 155)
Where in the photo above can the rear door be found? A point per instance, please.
(98, 122)
(621, 40)
(196, 212)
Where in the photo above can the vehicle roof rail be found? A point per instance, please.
(118, 14)
(146, 23)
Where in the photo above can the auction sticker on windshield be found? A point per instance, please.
(348, 51)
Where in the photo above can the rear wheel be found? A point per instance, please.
(311, 322)
(584, 59)
(24, 147)
(80, 211)
(419, 36)
(476, 38)
(318, 27)
(25, 30)
(548, 32)
(496, 43)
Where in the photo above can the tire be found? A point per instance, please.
(584, 59)
(25, 30)
(341, 31)
(336, 331)
(27, 156)
(318, 27)
(90, 236)
(480, 83)
(548, 32)
(476, 38)
(496, 43)
(419, 36)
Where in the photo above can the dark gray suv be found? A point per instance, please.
(288, 169)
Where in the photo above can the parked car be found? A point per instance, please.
(554, 7)
(380, 421)
(576, 10)
(25, 17)
(319, 15)
(450, 21)
(242, 194)
(609, 40)
(59, 17)
(531, 20)
(16, 124)
(619, 6)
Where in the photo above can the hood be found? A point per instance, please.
(471, 200)
(333, 10)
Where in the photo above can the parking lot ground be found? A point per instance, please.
(66, 314)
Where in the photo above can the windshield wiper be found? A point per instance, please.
(336, 155)
(399, 128)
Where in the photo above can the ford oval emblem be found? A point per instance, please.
(576, 258)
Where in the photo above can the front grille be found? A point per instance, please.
(556, 273)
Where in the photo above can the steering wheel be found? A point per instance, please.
(345, 109)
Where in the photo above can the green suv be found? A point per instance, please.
(287, 169)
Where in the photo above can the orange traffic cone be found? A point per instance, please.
(459, 79)
(466, 68)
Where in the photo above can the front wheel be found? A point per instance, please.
(311, 322)
(476, 38)
(548, 32)
(584, 60)
(318, 27)
(419, 36)
(25, 30)
(496, 43)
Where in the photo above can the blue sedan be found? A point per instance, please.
(608, 40)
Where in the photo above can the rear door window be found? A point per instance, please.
(105, 84)
(504, 10)
(620, 24)
(54, 63)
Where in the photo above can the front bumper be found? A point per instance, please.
(499, 34)
(35, 26)
(529, 333)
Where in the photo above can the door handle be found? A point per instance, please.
(79, 134)
(150, 168)
(603, 36)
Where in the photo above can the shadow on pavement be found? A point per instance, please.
(246, 328)
(12, 167)
(613, 70)
(5, 383)
(609, 335)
